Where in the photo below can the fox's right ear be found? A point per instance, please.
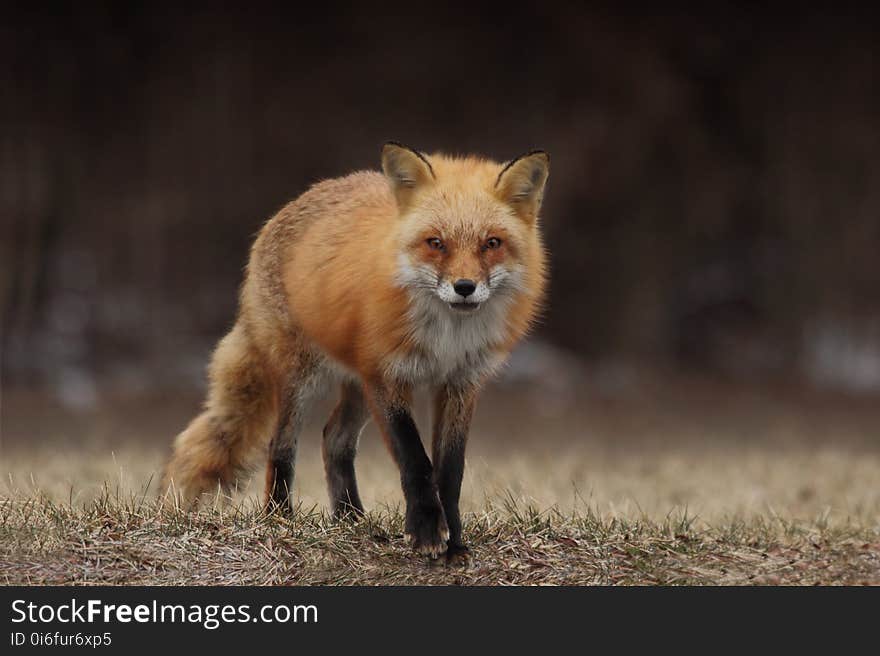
(406, 169)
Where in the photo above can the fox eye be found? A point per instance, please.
(436, 243)
(493, 243)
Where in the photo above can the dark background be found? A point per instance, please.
(713, 206)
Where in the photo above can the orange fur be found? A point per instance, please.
(339, 275)
(323, 292)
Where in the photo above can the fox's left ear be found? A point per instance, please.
(521, 183)
(406, 169)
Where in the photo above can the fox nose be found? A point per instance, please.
(464, 287)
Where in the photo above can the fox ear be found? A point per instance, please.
(521, 183)
(406, 169)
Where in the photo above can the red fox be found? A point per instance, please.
(426, 275)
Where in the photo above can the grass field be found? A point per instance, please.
(761, 490)
(114, 541)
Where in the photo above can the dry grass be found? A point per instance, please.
(703, 517)
(753, 492)
(134, 541)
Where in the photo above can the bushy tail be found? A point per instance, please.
(239, 417)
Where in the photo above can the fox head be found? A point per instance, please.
(467, 227)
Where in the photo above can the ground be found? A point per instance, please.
(691, 485)
(116, 541)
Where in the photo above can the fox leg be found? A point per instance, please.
(425, 523)
(282, 448)
(218, 445)
(453, 409)
(339, 448)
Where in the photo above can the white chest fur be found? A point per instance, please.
(448, 345)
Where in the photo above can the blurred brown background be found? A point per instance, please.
(713, 209)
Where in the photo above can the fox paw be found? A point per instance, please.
(426, 529)
(457, 555)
